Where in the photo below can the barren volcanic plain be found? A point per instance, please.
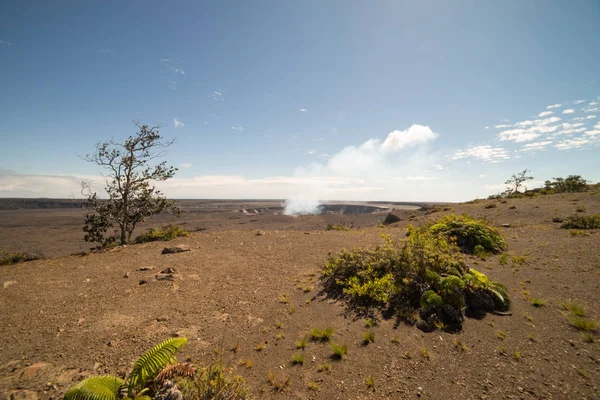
(66, 317)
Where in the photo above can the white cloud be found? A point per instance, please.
(568, 111)
(591, 109)
(553, 106)
(481, 175)
(438, 167)
(5, 43)
(593, 103)
(529, 130)
(536, 145)
(594, 132)
(177, 123)
(303, 110)
(238, 128)
(575, 143)
(413, 136)
(179, 71)
(545, 113)
(487, 127)
(420, 178)
(484, 153)
(185, 165)
(579, 101)
(502, 126)
(106, 50)
(311, 151)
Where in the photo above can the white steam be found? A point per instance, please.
(301, 206)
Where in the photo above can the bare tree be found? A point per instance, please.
(131, 196)
(517, 180)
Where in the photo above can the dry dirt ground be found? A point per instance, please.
(64, 318)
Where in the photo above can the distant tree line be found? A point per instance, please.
(570, 184)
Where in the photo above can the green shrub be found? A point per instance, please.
(424, 273)
(338, 351)
(165, 234)
(341, 227)
(469, 232)
(582, 222)
(7, 258)
(321, 335)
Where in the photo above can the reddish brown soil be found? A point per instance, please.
(64, 318)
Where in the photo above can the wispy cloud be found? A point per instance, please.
(591, 109)
(529, 130)
(179, 71)
(575, 143)
(545, 113)
(484, 153)
(177, 123)
(501, 126)
(106, 50)
(217, 96)
(550, 107)
(173, 85)
(311, 152)
(238, 128)
(303, 110)
(568, 111)
(579, 101)
(185, 165)
(594, 132)
(169, 64)
(5, 43)
(536, 145)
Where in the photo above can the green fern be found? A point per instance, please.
(151, 363)
(106, 387)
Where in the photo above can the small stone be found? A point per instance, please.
(165, 277)
(8, 283)
(505, 225)
(126, 275)
(145, 269)
(260, 233)
(170, 270)
(176, 249)
(162, 318)
(143, 282)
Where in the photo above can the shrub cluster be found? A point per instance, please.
(7, 258)
(424, 274)
(468, 233)
(582, 222)
(572, 183)
(167, 233)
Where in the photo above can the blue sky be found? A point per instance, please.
(356, 100)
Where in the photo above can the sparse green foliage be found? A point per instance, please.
(395, 340)
(338, 351)
(501, 335)
(370, 382)
(321, 335)
(582, 222)
(301, 343)
(490, 205)
(314, 386)
(131, 197)
(517, 180)
(368, 323)
(340, 227)
(165, 234)
(572, 183)
(503, 259)
(425, 353)
(216, 382)
(7, 258)
(588, 337)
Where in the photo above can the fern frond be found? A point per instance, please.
(104, 387)
(500, 296)
(150, 364)
(175, 370)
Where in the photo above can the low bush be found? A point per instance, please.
(214, 382)
(7, 258)
(425, 273)
(582, 222)
(469, 232)
(341, 227)
(165, 234)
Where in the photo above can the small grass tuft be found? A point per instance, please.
(314, 386)
(324, 367)
(370, 382)
(501, 335)
(164, 234)
(395, 340)
(368, 337)
(279, 384)
(298, 359)
(321, 335)
(503, 259)
(7, 258)
(260, 347)
(574, 308)
(425, 353)
(235, 348)
(368, 323)
(339, 351)
(301, 344)
(583, 324)
(588, 337)
(246, 363)
(537, 302)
